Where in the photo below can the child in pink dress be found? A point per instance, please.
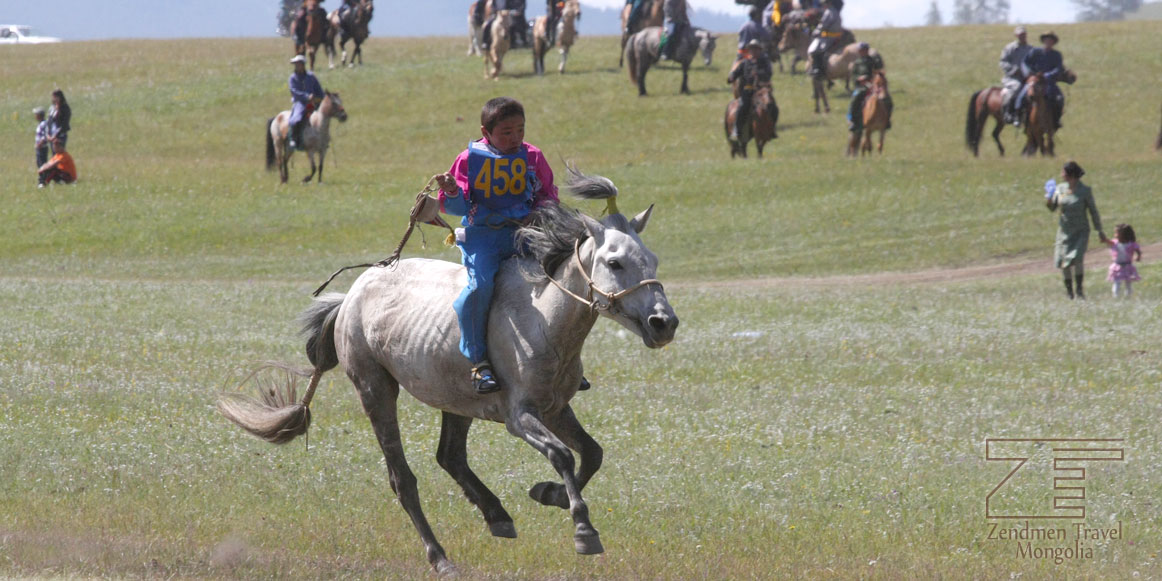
(1123, 247)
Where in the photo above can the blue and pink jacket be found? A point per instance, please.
(477, 214)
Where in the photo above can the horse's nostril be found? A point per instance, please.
(658, 323)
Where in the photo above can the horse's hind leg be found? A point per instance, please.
(527, 424)
(566, 427)
(379, 393)
(453, 458)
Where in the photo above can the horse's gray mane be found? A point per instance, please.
(554, 228)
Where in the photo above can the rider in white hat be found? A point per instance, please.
(305, 91)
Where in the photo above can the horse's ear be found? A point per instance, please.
(596, 229)
(639, 222)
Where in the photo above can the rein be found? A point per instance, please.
(591, 302)
(394, 258)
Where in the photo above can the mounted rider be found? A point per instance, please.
(753, 30)
(863, 70)
(752, 70)
(1047, 62)
(299, 23)
(677, 27)
(519, 33)
(306, 93)
(635, 13)
(826, 35)
(348, 6)
(553, 10)
(1013, 78)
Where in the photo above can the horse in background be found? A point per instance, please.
(707, 42)
(317, 33)
(316, 137)
(652, 14)
(643, 50)
(501, 42)
(841, 57)
(395, 330)
(983, 104)
(796, 37)
(762, 126)
(876, 115)
(566, 35)
(352, 26)
(1039, 124)
(476, 18)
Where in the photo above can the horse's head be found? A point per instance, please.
(333, 107)
(1035, 86)
(707, 43)
(621, 267)
(571, 11)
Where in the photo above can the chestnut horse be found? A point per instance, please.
(651, 15)
(1039, 125)
(876, 116)
(984, 103)
(316, 33)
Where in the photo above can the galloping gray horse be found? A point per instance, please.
(641, 51)
(396, 328)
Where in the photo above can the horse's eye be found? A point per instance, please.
(614, 264)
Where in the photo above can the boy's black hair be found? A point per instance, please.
(1125, 233)
(499, 109)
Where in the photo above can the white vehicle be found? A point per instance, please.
(18, 34)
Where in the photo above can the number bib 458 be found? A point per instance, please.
(498, 181)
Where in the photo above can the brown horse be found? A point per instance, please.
(984, 103)
(316, 137)
(317, 30)
(353, 26)
(1039, 126)
(764, 118)
(796, 35)
(876, 115)
(651, 15)
(840, 56)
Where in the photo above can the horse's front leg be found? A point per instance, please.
(685, 75)
(526, 423)
(322, 154)
(311, 157)
(564, 59)
(566, 427)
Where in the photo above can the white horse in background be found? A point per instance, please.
(707, 42)
(395, 328)
(316, 137)
(566, 35)
(494, 56)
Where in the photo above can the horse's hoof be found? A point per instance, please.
(550, 494)
(503, 529)
(588, 544)
(445, 568)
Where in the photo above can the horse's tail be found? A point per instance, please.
(270, 157)
(971, 125)
(630, 57)
(279, 416)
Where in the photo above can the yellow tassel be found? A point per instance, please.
(450, 240)
(611, 206)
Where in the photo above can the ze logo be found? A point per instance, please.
(1040, 462)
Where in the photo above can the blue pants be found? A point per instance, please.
(483, 250)
(297, 111)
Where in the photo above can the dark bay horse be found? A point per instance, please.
(317, 32)
(983, 104)
(762, 125)
(876, 116)
(353, 26)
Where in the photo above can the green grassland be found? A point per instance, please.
(818, 431)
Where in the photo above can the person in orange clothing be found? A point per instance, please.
(60, 168)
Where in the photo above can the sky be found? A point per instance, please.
(88, 19)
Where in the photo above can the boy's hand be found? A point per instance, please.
(447, 183)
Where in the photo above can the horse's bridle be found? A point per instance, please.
(591, 302)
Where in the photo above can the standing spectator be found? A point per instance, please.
(1072, 200)
(59, 117)
(41, 142)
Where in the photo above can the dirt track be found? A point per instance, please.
(1098, 255)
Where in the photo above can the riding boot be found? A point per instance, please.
(296, 140)
(482, 379)
(1069, 287)
(1077, 284)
